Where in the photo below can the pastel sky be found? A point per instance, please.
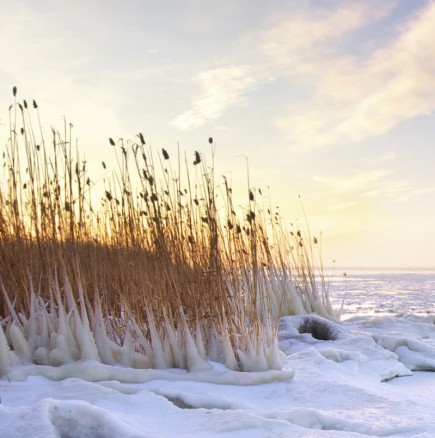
(332, 100)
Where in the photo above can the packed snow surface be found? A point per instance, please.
(369, 375)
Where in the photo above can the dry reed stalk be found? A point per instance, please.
(159, 271)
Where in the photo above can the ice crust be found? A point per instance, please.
(391, 346)
(364, 377)
(62, 332)
(342, 385)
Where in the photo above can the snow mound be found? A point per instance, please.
(91, 371)
(388, 345)
(410, 336)
(328, 343)
(79, 419)
(344, 386)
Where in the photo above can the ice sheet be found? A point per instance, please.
(358, 378)
(343, 387)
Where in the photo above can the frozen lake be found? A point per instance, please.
(371, 376)
(382, 291)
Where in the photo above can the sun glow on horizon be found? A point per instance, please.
(333, 101)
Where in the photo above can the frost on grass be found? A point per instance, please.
(59, 346)
(162, 273)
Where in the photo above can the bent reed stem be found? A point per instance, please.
(162, 271)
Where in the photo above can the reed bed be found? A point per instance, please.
(158, 270)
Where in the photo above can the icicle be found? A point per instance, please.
(126, 350)
(228, 353)
(169, 355)
(252, 359)
(296, 305)
(85, 338)
(21, 346)
(194, 361)
(200, 340)
(7, 357)
(64, 327)
(176, 345)
(143, 342)
(129, 356)
(108, 351)
(158, 356)
(40, 333)
(213, 348)
(273, 354)
(10, 306)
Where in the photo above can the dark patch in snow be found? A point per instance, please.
(185, 400)
(319, 328)
(179, 403)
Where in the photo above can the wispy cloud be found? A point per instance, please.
(358, 183)
(401, 191)
(355, 99)
(380, 185)
(349, 97)
(290, 46)
(301, 40)
(220, 88)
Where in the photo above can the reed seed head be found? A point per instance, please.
(250, 216)
(153, 247)
(197, 158)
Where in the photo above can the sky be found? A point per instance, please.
(330, 100)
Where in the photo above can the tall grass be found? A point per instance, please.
(157, 270)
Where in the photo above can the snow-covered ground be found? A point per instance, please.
(369, 375)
